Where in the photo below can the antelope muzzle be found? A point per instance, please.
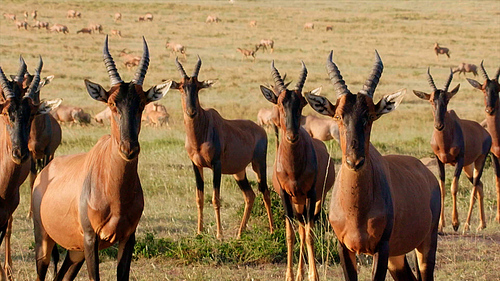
(129, 149)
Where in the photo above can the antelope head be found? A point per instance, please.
(189, 88)
(126, 101)
(490, 88)
(289, 102)
(18, 106)
(439, 99)
(355, 113)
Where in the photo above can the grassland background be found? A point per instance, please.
(403, 32)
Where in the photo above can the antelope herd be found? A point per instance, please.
(90, 201)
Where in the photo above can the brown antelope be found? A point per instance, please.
(253, 23)
(59, 28)
(116, 32)
(225, 146)
(18, 107)
(84, 209)
(129, 60)
(248, 53)
(155, 114)
(21, 24)
(72, 14)
(176, 48)
(85, 30)
(34, 14)
(329, 28)
(103, 115)
(303, 171)
(458, 142)
(146, 17)
(320, 128)
(96, 27)
(264, 44)
(41, 24)
(441, 51)
(268, 117)
(117, 17)
(309, 25)
(384, 206)
(71, 115)
(9, 16)
(212, 19)
(466, 67)
(491, 89)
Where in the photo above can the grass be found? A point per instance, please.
(403, 32)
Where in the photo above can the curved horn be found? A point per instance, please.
(180, 68)
(7, 91)
(280, 85)
(22, 70)
(302, 78)
(335, 76)
(197, 67)
(483, 71)
(448, 82)
(372, 81)
(140, 74)
(33, 92)
(430, 80)
(497, 74)
(110, 65)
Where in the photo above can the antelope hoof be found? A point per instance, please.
(466, 228)
(440, 230)
(481, 227)
(8, 273)
(455, 226)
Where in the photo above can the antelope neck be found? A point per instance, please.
(197, 126)
(445, 137)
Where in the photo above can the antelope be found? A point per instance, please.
(96, 27)
(253, 23)
(248, 53)
(71, 114)
(85, 30)
(146, 17)
(320, 128)
(309, 25)
(72, 14)
(466, 67)
(116, 32)
(158, 118)
(441, 50)
(212, 19)
(34, 14)
(104, 208)
(176, 48)
(268, 117)
(491, 89)
(303, 171)
(129, 60)
(264, 44)
(117, 17)
(18, 106)
(9, 16)
(41, 24)
(25, 13)
(329, 28)
(458, 142)
(22, 24)
(224, 146)
(59, 28)
(384, 206)
(103, 115)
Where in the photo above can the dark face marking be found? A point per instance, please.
(291, 104)
(439, 101)
(491, 90)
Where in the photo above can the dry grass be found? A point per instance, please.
(403, 32)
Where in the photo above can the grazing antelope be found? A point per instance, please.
(96, 27)
(103, 115)
(329, 28)
(84, 209)
(212, 19)
(18, 107)
(384, 206)
(41, 24)
(264, 44)
(491, 89)
(146, 17)
(59, 28)
(309, 25)
(441, 51)
(268, 117)
(129, 60)
(21, 24)
(116, 32)
(458, 142)
(9, 16)
(156, 114)
(320, 128)
(465, 67)
(72, 14)
(117, 17)
(248, 53)
(225, 146)
(85, 30)
(253, 23)
(303, 171)
(176, 48)
(70, 114)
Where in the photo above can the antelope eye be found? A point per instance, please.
(336, 117)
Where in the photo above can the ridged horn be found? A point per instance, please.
(483, 71)
(430, 80)
(448, 82)
(140, 74)
(7, 91)
(302, 78)
(22, 70)
(278, 82)
(110, 65)
(372, 81)
(335, 76)
(497, 74)
(180, 68)
(33, 92)
(197, 68)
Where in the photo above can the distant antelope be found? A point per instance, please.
(129, 59)
(224, 146)
(72, 14)
(59, 28)
(268, 117)
(146, 17)
(71, 115)
(253, 23)
(441, 50)
(90, 201)
(103, 115)
(41, 24)
(85, 30)
(22, 24)
(460, 143)
(25, 13)
(156, 114)
(248, 53)
(116, 32)
(117, 17)
(309, 25)
(384, 206)
(329, 28)
(176, 48)
(9, 16)
(466, 67)
(303, 172)
(266, 43)
(491, 89)
(320, 128)
(18, 108)
(212, 19)
(96, 27)
(34, 14)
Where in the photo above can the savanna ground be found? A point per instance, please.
(403, 32)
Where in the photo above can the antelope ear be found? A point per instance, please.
(175, 85)
(48, 105)
(321, 104)
(45, 81)
(389, 103)
(453, 92)
(96, 91)
(475, 84)
(208, 83)
(159, 91)
(422, 95)
(269, 94)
